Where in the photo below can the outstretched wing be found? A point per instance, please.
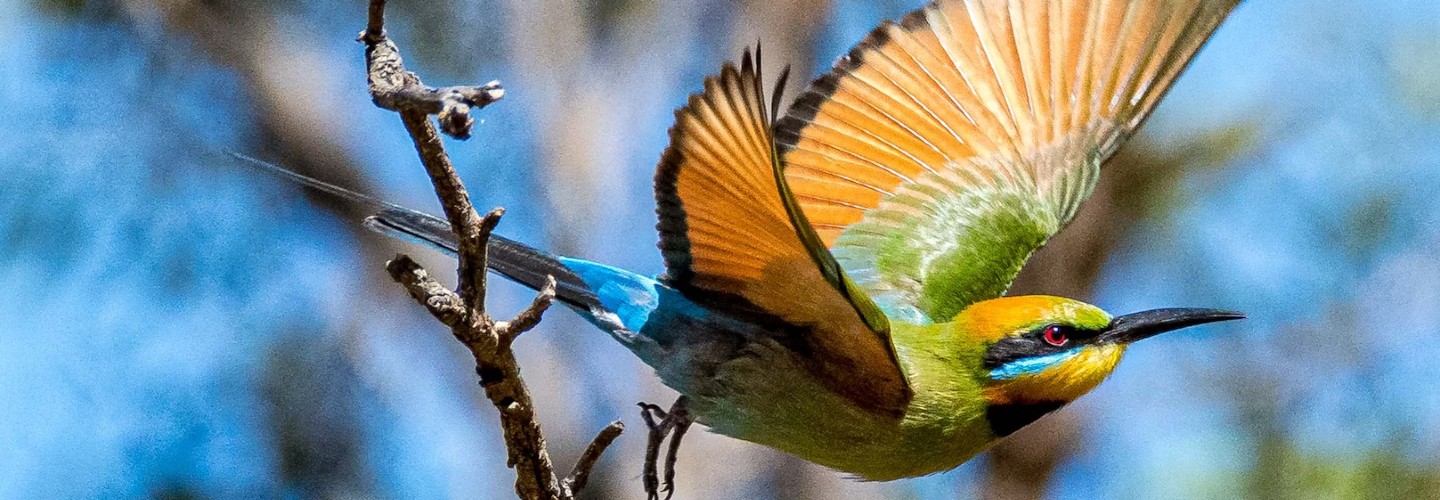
(734, 240)
(943, 150)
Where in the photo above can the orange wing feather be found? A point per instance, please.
(730, 244)
(965, 106)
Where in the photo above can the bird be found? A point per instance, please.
(835, 278)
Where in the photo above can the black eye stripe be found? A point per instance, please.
(1032, 343)
(1076, 334)
(1013, 348)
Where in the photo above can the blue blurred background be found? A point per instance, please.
(174, 325)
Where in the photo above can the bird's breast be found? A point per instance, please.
(745, 384)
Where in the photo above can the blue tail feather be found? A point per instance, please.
(628, 296)
(612, 298)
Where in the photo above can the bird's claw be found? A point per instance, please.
(652, 412)
(672, 423)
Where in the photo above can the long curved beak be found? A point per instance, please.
(1143, 325)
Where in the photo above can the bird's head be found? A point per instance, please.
(1047, 351)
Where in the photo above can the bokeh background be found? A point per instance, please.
(174, 325)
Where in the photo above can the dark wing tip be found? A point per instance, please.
(674, 243)
(805, 107)
(916, 20)
(778, 93)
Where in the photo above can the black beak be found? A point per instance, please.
(1143, 325)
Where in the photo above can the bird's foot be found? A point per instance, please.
(663, 423)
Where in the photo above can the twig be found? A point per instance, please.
(393, 88)
(581, 473)
(528, 318)
(375, 23)
(489, 342)
(444, 304)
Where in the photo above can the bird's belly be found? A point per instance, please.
(754, 389)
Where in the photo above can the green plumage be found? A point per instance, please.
(963, 250)
(753, 394)
(753, 398)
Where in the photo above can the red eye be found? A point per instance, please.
(1055, 335)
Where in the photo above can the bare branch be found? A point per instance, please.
(374, 24)
(525, 444)
(581, 473)
(452, 104)
(529, 317)
(475, 256)
(444, 304)
(392, 87)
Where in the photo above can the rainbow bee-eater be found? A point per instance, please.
(835, 277)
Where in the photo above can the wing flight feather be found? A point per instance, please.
(735, 240)
(946, 148)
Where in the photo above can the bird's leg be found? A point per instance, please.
(671, 423)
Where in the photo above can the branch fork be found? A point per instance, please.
(489, 341)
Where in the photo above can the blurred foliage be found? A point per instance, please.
(76, 8)
(1366, 225)
(312, 412)
(1416, 76)
(1149, 175)
(1283, 471)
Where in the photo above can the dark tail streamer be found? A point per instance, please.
(514, 260)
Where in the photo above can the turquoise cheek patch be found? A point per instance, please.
(1031, 366)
